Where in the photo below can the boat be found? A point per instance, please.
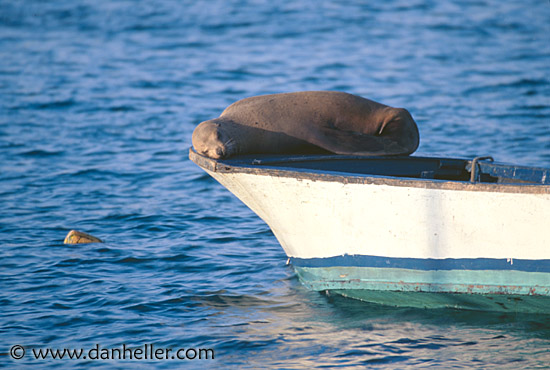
(406, 231)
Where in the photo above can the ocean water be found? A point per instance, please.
(98, 100)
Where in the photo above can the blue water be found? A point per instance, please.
(98, 100)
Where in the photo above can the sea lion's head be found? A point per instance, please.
(212, 140)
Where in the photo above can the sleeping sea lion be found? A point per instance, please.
(307, 122)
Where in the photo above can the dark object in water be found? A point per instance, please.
(78, 237)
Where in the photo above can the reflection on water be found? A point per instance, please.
(330, 330)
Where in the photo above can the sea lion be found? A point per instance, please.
(307, 122)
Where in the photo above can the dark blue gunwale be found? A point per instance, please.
(312, 167)
(426, 264)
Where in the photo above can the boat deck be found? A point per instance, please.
(391, 167)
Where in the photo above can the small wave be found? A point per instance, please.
(220, 27)
(246, 345)
(143, 308)
(517, 84)
(59, 306)
(222, 300)
(122, 108)
(42, 153)
(450, 27)
(133, 261)
(57, 104)
(177, 258)
(171, 46)
(331, 67)
(386, 360)
(534, 107)
(92, 172)
(77, 262)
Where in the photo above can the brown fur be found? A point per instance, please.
(306, 122)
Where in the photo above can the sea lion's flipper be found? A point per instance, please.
(356, 143)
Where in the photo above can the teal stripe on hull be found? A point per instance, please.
(492, 290)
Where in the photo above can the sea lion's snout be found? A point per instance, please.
(207, 140)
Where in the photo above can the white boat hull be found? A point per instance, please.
(381, 239)
(315, 219)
